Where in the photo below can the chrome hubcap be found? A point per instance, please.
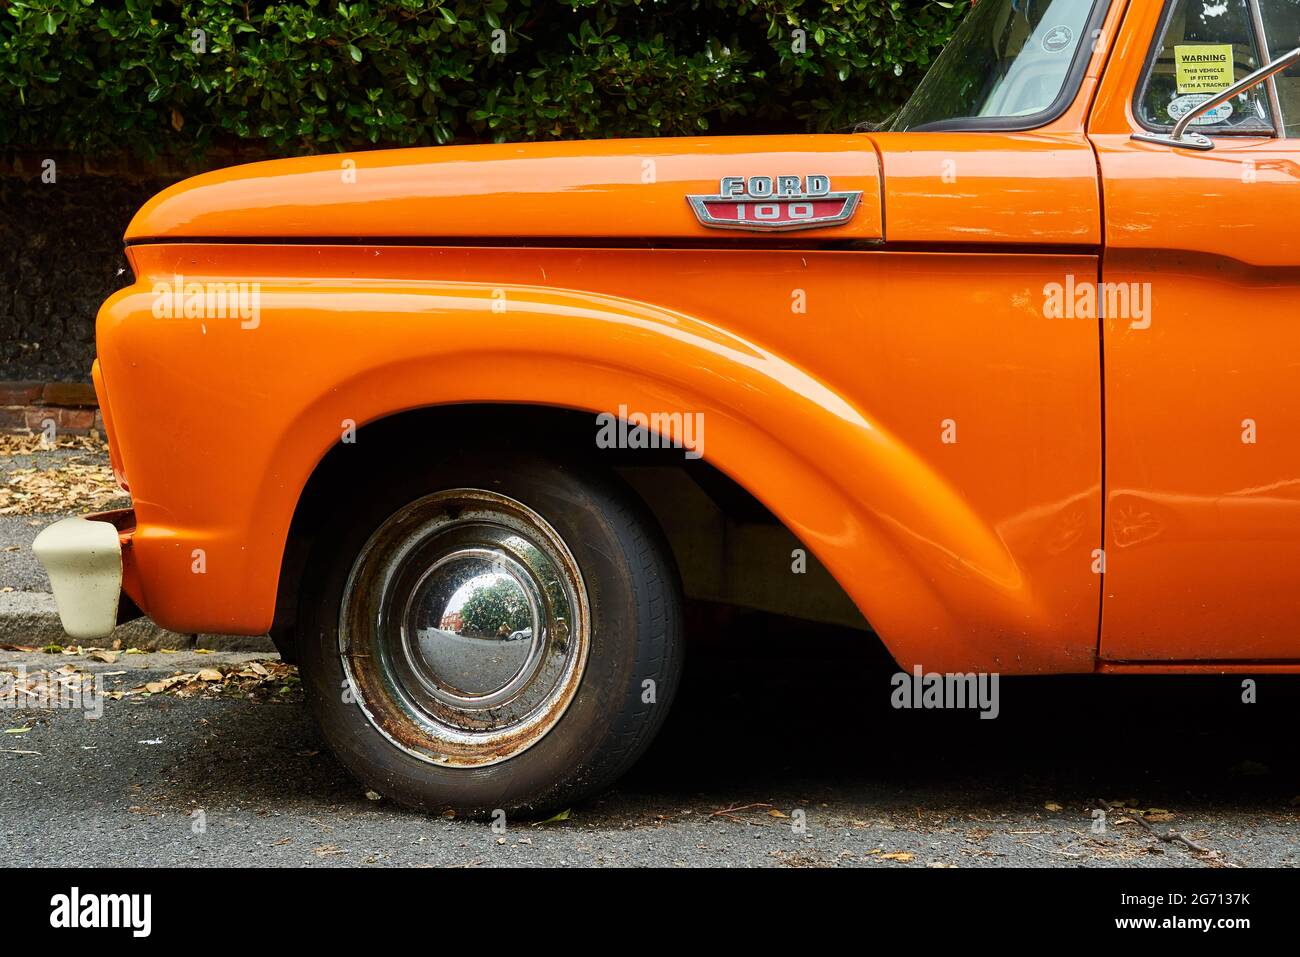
(464, 628)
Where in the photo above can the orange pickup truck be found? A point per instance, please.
(1004, 382)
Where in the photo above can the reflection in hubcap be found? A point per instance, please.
(473, 618)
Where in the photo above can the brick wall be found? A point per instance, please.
(29, 405)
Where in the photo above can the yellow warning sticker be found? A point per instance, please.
(1204, 68)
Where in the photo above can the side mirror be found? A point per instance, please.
(1181, 139)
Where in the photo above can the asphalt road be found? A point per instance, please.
(19, 569)
(771, 721)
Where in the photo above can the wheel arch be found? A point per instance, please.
(905, 546)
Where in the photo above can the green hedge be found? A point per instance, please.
(103, 77)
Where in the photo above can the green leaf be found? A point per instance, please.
(294, 78)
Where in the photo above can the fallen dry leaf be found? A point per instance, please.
(71, 486)
(270, 677)
(1053, 806)
(902, 857)
(25, 443)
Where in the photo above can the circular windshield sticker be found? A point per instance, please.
(1058, 39)
(1180, 106)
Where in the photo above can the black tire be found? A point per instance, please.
(634, 637)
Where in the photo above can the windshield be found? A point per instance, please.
(1008, 59)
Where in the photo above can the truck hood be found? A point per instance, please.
(576, 191)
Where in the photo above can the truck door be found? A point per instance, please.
(1201, 342)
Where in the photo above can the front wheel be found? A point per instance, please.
(508, 639)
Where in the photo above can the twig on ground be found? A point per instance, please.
(1169, 837)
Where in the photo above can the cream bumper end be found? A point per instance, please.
(83, 558)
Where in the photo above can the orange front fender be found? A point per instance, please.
(250, 409)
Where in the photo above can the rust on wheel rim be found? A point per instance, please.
(464, 628)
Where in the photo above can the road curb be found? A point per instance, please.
(31, 619)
